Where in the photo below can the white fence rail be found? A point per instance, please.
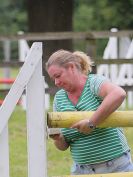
(29, 77)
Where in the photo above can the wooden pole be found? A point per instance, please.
(66, 119)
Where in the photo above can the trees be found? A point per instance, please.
(12, 16)
(51, 16)
(103, 15)
(54, 15)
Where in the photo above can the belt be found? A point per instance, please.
(105, 164)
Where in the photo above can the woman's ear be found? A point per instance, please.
(70, 65)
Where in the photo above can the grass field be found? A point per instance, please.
(58, 162)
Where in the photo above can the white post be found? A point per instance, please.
(126, 73)
(23, 48)
(4, 153)
(110, 52)
(7, 56)
(36, 127)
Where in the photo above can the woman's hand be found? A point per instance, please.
(83, 126)
(55, 136)
(59, 141)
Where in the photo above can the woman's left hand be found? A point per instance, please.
(82, 126)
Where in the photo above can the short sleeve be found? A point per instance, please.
(95, 83)
(54, 104)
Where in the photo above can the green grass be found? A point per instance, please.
(59, 162)
(13, 72)
(18, 143)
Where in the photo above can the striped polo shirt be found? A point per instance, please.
(102, 144)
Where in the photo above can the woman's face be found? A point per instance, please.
(62, 77)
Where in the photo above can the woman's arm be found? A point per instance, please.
(113, 97)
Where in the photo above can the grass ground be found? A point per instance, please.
(58, 162)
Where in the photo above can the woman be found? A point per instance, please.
(93, 149)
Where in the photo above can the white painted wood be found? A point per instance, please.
(124, 43)
(126, 70)
(36, 126)
(53, 131)
(4, 153)
(30, 75)
(32, 60)
(7, 52)
(126, 75)
(110, 51)
(123, 74)
(23, 49)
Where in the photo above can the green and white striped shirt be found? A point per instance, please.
(102, 144)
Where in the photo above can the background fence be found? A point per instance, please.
(107, 63)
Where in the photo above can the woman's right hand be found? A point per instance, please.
(55, 136)
(59, 141)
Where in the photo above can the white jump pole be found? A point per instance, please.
(36, 126)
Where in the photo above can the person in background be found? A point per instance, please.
(94, 150)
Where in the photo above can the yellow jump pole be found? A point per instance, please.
(124, 174)
(66, 119)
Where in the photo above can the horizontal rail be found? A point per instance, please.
(11, 64)
(53, 90)
(113, 61)
(50, 90)
(67, 119)
(67, 35)
(97, 61)
(7, 81)
(124, 174)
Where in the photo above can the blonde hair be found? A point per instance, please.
(63, 57)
